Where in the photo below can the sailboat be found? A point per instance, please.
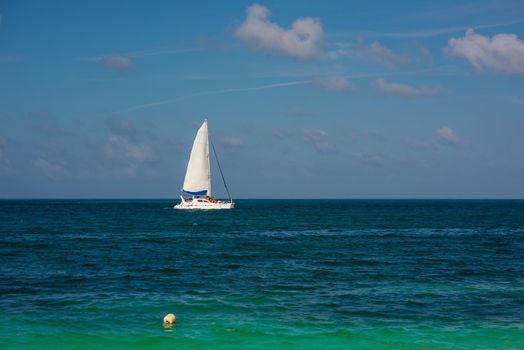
(196, 192)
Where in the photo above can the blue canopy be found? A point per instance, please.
(198, 193)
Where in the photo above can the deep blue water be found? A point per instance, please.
(268, 274)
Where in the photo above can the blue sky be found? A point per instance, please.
(336, 99)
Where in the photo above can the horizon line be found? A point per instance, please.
(260, 198)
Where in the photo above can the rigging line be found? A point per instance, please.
(220, 168)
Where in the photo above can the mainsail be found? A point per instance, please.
(198, 174)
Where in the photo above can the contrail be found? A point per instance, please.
(144, 53)
(432, 32)
(267, 87)
(212, 92)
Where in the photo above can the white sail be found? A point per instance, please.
(198, 174)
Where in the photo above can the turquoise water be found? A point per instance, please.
(287, 274)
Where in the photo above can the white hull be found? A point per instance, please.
(198, 203)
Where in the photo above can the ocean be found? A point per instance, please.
(270, 274)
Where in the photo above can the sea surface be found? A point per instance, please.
(270, 274)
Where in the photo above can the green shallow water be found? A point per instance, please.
(262, 334)
(267, 275)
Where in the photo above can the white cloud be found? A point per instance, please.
(383, 56)
(305, 39)
(301, 112)
(320, 140)
(124, 142)
(126, 154)
(375, 52)
(334, 83)
(447, 135)
(368, 157)
(118, 62)
(502, 52)
(51, 170)
(118, 146)
(129, 150)
(405, 89)
(123, 127)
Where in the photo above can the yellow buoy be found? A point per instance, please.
(169, 319)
